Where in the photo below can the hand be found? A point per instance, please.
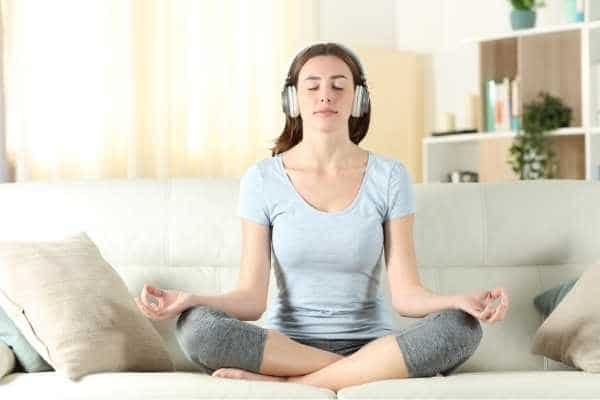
(480, 304)
(171, 303)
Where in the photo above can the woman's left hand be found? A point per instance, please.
(480, 304)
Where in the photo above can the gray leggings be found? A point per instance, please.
(437, 343)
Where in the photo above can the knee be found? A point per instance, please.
(198, 331)
(465, 332)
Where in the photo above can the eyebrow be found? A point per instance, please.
(317, 78)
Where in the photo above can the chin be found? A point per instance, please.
(327, 127)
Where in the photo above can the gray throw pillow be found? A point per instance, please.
(27, 359)
(547, 301)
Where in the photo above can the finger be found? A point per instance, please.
(499, 314)
(147, 311)
(145, 296)
(500, 292)
(487, 313)
(489, 298)
(158, 293)
(494, 293)
(503, 310)
(142, 308)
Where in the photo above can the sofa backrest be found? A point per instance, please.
(183, 233)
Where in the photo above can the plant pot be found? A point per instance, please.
(522, 19)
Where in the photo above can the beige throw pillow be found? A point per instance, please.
(571, 333)
(7, 360)
(75, 309)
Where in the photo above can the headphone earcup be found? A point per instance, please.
(289, 101)
(360, 105)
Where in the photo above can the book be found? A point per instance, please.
(490, 101)
(515, 106)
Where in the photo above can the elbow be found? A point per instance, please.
(397, 306)
(259, 313)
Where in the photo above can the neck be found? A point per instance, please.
(326, 151)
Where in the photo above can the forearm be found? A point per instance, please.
(421, 302)
(238, 303)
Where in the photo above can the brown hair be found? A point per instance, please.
(292, 132)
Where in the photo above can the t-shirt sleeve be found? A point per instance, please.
(251, 202)
(401, 196)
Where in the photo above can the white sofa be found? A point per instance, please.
(183, 233)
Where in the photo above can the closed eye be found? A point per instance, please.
(335, 88)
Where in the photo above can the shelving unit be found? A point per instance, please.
(554, 59)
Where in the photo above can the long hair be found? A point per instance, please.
(292, 132)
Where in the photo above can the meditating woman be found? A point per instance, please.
(327, 210)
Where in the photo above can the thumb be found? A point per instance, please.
(155, 291)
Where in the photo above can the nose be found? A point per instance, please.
(326, 95)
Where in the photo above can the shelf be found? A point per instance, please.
(469, 137)
(533, 31)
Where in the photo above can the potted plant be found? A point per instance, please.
(531, 155)
(523, 14)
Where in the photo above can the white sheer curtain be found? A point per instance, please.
(145, 88)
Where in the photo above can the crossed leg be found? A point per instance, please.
(439, 342)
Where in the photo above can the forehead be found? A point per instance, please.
(324, 67)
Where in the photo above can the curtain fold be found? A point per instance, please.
(146, 88)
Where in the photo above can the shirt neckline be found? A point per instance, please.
(308, 205)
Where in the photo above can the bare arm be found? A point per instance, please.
(409, 297)
(249, 300)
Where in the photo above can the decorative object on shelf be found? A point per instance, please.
(574, 10)
(523, 14)
(448, 121)
(531, 155)
(463, 176)
(473, 115)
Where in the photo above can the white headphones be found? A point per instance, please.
(289, 95)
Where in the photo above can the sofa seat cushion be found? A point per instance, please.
(483, 385)
(150, 385)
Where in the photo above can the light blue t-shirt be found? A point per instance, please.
(327, 264)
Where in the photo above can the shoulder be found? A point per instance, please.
(387, 169)
(259, 170)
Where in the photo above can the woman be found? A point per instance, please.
(327, 209)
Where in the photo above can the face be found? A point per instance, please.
(325, 93)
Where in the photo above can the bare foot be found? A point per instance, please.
(235, 373)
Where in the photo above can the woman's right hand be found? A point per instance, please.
(170, 303)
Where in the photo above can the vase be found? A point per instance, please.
(522, 19)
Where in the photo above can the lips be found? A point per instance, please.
(326, 112)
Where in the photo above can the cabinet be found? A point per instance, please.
(563, 60)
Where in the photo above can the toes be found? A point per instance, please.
(221, 373)
(230, 373)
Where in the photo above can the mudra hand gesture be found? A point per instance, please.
(480, 304)
(169, 303)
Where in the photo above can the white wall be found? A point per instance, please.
(358, 22)
(436, 28)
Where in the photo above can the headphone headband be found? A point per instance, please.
(361, 69)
